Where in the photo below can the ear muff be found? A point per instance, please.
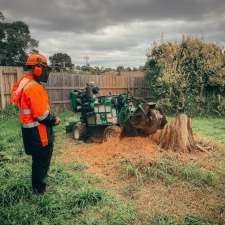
(37, 71)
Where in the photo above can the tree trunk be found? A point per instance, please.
(176, 135)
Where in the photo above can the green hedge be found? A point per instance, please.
(187, 76)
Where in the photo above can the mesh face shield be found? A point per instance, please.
(45, 74)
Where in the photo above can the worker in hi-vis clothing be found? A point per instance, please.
(36, 118)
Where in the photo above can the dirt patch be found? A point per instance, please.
(105, 160)
(177, 199)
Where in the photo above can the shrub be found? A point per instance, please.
(187, 76)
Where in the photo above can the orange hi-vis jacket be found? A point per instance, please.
(34, 112)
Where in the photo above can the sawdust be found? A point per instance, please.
(177, 199)
(153, 198)
(104, 158)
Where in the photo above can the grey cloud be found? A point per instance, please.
(126, 44)
(115, 32)
(92, 15)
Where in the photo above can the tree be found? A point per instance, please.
(15, 42)
(128, 69)
(61, 62)
(120, 69)
(2, 16)
(187, 76)
(78, 67)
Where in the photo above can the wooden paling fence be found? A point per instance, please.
(8, 76)
(61, 84)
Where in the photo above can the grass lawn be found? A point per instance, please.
(75, 196)
(210, 127)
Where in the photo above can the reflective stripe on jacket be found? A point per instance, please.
(32, 100)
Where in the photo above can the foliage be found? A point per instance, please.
(187, 76)
(1, 16)
(119, 69)
(15, 42)
(61, 62)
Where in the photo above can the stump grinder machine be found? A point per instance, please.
(105, 117)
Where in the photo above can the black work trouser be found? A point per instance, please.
(40, 165)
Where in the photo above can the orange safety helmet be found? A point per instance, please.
(38, 61)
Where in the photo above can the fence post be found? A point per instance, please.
(2, 88)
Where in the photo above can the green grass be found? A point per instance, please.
(9, 112)
(193, 220)
(74, 197)
(78, 166)
(163, 220)
(170, 170)
(188, 220)
(212, 128)
(71, 196)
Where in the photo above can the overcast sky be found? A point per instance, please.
(115, 32)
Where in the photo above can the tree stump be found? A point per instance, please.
(176, 135)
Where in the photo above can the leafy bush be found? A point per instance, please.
(187, 76)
